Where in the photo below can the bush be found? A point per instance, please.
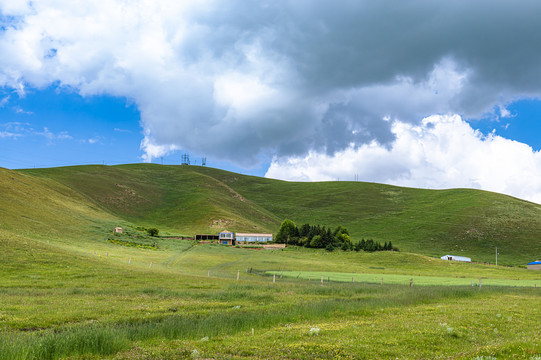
(153, 232)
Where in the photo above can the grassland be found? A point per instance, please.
(190, 199)
(68, 292)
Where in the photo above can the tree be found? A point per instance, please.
(346, 242)
(153, 231)
(340, 230)
(287, 230)
(327, 237)
(304, 230)
(316, 242)
(304, 241)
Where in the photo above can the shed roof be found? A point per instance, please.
(536, 262)
(243, 234)
(455, 257)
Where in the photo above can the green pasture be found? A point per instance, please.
(402, 279)
(66, 292)
(193, 199)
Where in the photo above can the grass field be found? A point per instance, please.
(67, 292)
(190, 199)
(401, 279)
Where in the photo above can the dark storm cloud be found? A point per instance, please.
(287, 77)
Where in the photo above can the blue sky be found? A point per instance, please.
(56, 127)
(424, 94)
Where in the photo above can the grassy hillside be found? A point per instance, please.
(67, 292)
(189, 199)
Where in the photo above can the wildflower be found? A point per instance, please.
(314, 331)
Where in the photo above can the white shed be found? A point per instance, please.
(253, 238)
(456, 258)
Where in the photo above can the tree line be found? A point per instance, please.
(322, 237)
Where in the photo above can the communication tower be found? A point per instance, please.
(185, 159)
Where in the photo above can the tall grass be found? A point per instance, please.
(106, 339)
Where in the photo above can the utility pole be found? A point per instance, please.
(496, 255)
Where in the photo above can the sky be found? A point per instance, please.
(423, 93)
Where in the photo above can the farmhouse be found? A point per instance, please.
(252, 238)
(226, 238)
(456, 258)
(118, 230)
(535, 265)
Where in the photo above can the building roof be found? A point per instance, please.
(225, 232)
(456, 257)
(243, 234)
(536, 262)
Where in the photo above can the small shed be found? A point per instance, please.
(456, 258)
(206, 237)
(118, 230)
(534, 265)
(226, 238)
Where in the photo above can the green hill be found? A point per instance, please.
(68, 291)
(190, 199)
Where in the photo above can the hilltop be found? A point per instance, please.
(190, 199)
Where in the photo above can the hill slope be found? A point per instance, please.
(191, 199)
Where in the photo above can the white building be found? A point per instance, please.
(247, 238)
(456, 258)
(226, 237)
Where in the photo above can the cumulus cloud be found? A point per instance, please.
(244, 81)
(441, 152)
(273, 75)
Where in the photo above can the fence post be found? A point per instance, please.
(479, 282)
(321, 280)
(238, 275)
(129, 261)
(411, 282)
(274, 277)
(150, 266)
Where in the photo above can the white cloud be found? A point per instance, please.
(441, 152)
(20, 110)
(154, 151)
(4, 101)
(51, 137)
(329, 90)
(244, 81)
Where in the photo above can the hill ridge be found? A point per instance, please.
(189, 199)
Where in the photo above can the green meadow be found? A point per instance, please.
(71, 289)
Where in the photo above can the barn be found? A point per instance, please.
(252, 238)
(456, 258)
(535, 265)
